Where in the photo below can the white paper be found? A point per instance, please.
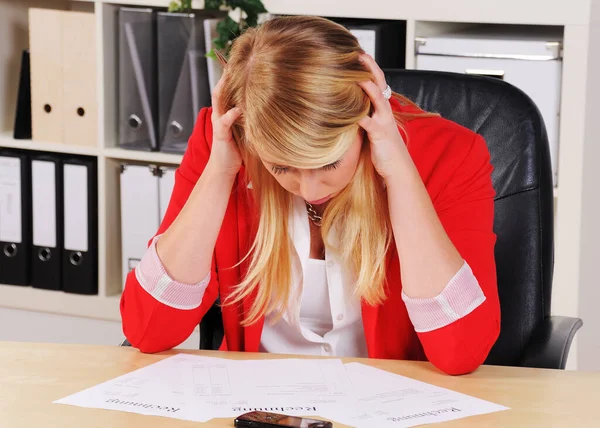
(153, 390)
(199, 388)
(10, 199)
(390, 400)
(296, 387)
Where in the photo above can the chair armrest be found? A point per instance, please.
(550, 343)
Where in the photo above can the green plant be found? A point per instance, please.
(228, 29)
(180, 6)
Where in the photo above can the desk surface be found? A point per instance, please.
(32, 376)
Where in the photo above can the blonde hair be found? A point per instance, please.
(295, 80)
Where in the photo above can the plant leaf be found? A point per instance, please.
(212, 4)
(174, 6)
(251, 19)
(228, 28)
(256, 6)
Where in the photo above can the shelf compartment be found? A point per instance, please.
(7, 140)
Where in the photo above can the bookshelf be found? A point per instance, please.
(577, 201)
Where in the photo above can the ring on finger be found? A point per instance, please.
(387, 92)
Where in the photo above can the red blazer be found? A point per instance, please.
(454, 163)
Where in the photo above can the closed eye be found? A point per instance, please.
(332, 165)
(283, 169)
(279, 169)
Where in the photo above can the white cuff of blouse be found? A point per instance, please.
(153, 278)
(459, 298)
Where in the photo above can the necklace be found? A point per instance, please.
(312, 214)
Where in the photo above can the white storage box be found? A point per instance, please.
(531, 61)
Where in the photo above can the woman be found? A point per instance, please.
(301, 194)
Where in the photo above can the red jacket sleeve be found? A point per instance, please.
(465, 207)
(148, 324)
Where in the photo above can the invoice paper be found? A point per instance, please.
(390, 400)
(296, 387)
(156, 390)
(200, 388)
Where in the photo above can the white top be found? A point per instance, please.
(323, 317)
(315, 309)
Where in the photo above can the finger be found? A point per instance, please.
(381, 104)
(215, 98)
(222, 125)
(367, 124)
(230, 117)
(375, 70)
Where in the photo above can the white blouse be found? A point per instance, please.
(323, 317)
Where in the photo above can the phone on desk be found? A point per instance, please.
(275, 420)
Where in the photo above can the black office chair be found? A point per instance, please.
(524, 208)
(211, 328)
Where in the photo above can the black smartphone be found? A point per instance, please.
(276, 420)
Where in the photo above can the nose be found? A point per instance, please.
(310, 186)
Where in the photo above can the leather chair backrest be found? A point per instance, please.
(524, 213)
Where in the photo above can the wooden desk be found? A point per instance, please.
(32, 376)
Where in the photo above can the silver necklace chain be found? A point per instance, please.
(312, 214)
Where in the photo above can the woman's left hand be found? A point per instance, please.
(387, 146)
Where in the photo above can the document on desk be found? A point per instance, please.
(201, 388)
(296, 387)
(156, 390)
(389, 400)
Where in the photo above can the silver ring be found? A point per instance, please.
(387, 93)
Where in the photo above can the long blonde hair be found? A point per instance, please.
(295, 79)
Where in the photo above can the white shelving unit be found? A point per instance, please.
(577, 230)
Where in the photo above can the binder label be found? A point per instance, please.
(75, 179)
(43, 189)
(10, 200)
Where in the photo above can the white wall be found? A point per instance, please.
(25, 326)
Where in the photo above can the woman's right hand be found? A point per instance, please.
(225, 156)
